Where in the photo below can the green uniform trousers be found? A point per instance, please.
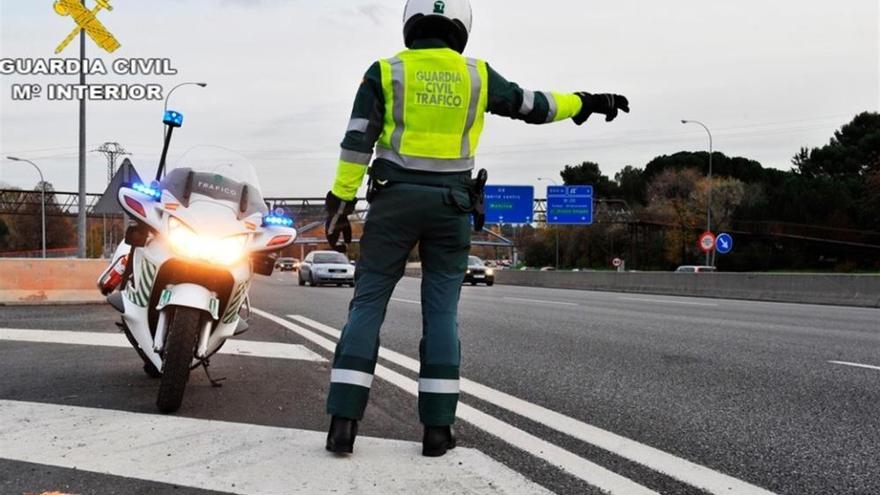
(400, 217)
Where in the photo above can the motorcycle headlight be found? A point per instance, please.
(188, 244)
(230, 249)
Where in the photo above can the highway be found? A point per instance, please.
(564, 391)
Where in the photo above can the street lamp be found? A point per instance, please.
(556, 228)
(168, 97)
(42, 195)
(709, 203)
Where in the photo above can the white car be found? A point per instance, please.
(326, 267)
(695, 269)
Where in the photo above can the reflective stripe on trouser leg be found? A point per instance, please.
(349, 388)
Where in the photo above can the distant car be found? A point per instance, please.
(286, 264)
(695, 269)
(477, 273)
(326, 267)
(548, 269)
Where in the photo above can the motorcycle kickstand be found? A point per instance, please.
(214, 383)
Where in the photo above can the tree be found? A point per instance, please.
(588, 173)
(671, 200)
(869, 204)
(853, 151)
(727, 194)
(744, 169)
(25, 228)
(4, 234)
(538, 247)
(631, 184)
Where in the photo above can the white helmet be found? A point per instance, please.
(452, 17)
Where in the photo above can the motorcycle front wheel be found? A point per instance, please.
(183, 332)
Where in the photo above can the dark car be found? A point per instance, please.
(478, 273)
(326, 267)
(286, 264)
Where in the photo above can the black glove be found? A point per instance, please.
(337, 222)
(606, 104)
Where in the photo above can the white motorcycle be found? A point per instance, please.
(200, 234)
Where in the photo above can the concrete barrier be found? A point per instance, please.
(49, 281)
(844, 290)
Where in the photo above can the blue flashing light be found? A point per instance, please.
(277, 220)
(173, 118)
(151, 191)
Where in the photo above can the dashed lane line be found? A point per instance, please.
(667, 301)
(587, 471)
(681, 469)
(856, 365)
(238, 457)
(232, 347)
(540, 301)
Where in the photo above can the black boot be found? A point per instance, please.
(340, 438)
(437, 440)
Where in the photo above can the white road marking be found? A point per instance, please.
(658, 460)
(408, 301)
(591, 473)
(856, 365)
(540, 301)
(666, 301)
(232, 347)
(237, 457)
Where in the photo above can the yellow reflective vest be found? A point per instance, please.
(435, 106)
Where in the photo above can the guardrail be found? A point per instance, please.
(843, 290)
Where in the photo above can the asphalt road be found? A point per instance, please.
(572, 389)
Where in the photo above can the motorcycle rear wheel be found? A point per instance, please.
(183, 332)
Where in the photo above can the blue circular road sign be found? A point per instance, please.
(724, 243)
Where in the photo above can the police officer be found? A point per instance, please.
(422, 110)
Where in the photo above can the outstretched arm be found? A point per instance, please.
(507, 99)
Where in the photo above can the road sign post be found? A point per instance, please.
(509, 204)
(569, 205)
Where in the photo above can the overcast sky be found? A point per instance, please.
(768, 76)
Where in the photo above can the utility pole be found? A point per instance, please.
(111, 151)
(82, 227)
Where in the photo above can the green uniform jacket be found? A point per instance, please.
(506, 99)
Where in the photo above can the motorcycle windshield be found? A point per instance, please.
(218, 174)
